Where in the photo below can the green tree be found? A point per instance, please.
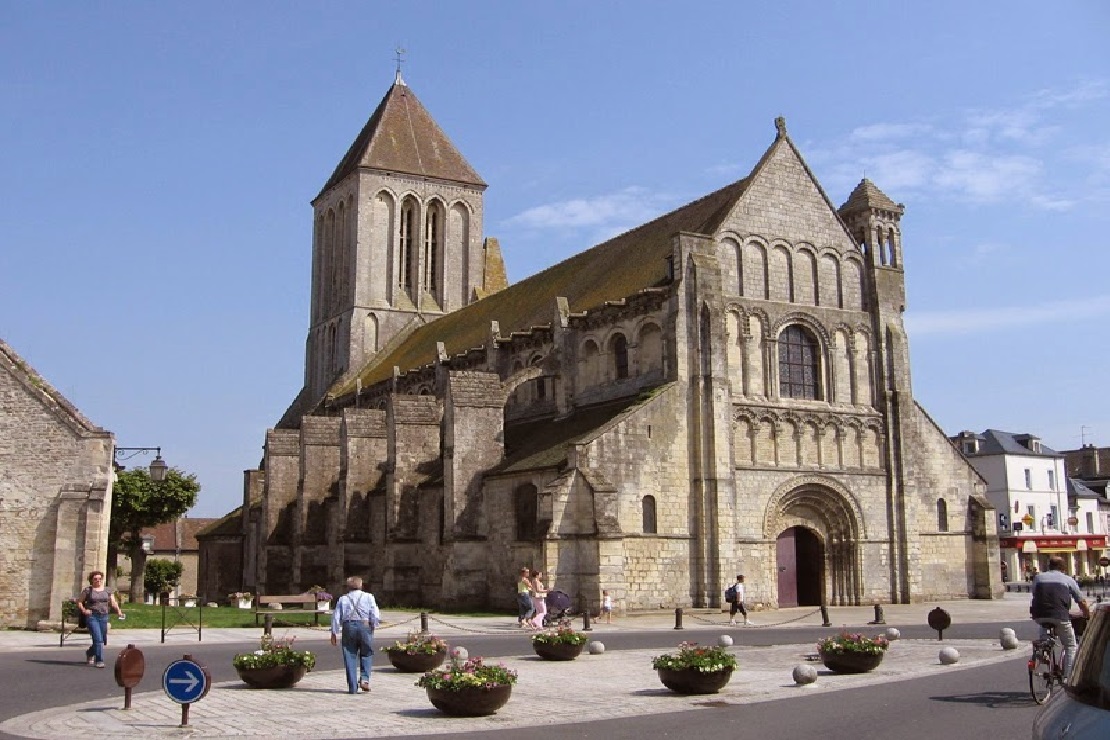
(138, 503)
(159, 575)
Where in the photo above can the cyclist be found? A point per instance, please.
(1053, 592)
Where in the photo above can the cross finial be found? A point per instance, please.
(780, 126)
(400, 53)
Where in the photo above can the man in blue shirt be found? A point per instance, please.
(1053, 592)
(355, 618)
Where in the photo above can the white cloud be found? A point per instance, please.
(987, 178)
(978, 156)
(601, 213)
(888, 131)
(980, 320)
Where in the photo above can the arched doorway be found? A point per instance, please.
(817, 527)
(800, 562)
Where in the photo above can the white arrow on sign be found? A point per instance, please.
(192, 680)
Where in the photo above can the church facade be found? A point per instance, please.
(725, 389)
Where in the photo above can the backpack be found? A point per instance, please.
(730, 594)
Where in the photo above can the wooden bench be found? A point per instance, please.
(290, 604)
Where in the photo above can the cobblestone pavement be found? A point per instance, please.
(617, 683)
(607, 686)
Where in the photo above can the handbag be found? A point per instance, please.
(82, 621)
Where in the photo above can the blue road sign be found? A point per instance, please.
(185, 681)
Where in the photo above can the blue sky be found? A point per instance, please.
(157, 161)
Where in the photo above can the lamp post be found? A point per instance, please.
(157, 468)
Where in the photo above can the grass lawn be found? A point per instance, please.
(149, 616)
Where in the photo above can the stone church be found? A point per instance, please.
(725, 389)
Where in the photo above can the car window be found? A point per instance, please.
(1090, 679)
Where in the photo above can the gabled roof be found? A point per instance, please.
(46, 393)
(613, 270)
(401, 136)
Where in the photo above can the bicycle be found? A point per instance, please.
(1046, 666)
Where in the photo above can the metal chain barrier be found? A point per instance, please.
(722, 623)
(466, 629)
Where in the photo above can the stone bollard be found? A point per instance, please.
(892, 633)
(678, 618)
(949, 656)
(460, 653)
(825, 616)
(804, 675)
(424, 623)
(879, 615)
(725, 640)
(595, 647)
(268, 624)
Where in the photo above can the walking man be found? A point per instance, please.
(735, 596)
(355, 618)
(1053, 592)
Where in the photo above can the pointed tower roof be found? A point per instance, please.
(867, 196)
(401, 136)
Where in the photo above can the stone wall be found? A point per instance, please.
(55, 496)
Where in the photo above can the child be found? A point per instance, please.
(607, 607)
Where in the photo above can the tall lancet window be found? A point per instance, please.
(433, 241)
(408, 246)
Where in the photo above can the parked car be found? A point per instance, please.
(1081, 711)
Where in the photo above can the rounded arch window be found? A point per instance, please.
(799, 364)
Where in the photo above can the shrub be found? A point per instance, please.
(692, 655)
(275, 652)
(418, 644)
(473, 673)
(852, 643)
(564, 634)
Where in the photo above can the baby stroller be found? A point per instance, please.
(558, 607)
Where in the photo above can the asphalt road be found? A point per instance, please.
(962, 704)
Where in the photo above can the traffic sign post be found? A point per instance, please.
(186, 681)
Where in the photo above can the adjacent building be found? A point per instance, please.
(176, 541)
(724, 389)
(1042, 510)
(55, 496)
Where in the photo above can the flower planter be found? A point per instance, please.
(273, 677)
(416, 662)
(189, 603)
(323, 606)
(470, 701)
(245, 603)
(557, 650)
(851, 662)
(693, 681)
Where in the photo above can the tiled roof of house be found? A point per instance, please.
(165, 534)
(401, 136)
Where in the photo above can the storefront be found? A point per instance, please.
(1027, 555)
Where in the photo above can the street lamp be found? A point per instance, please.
(157, 467)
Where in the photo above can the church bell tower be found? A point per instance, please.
(396, 241)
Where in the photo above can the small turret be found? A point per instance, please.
(873, 219)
